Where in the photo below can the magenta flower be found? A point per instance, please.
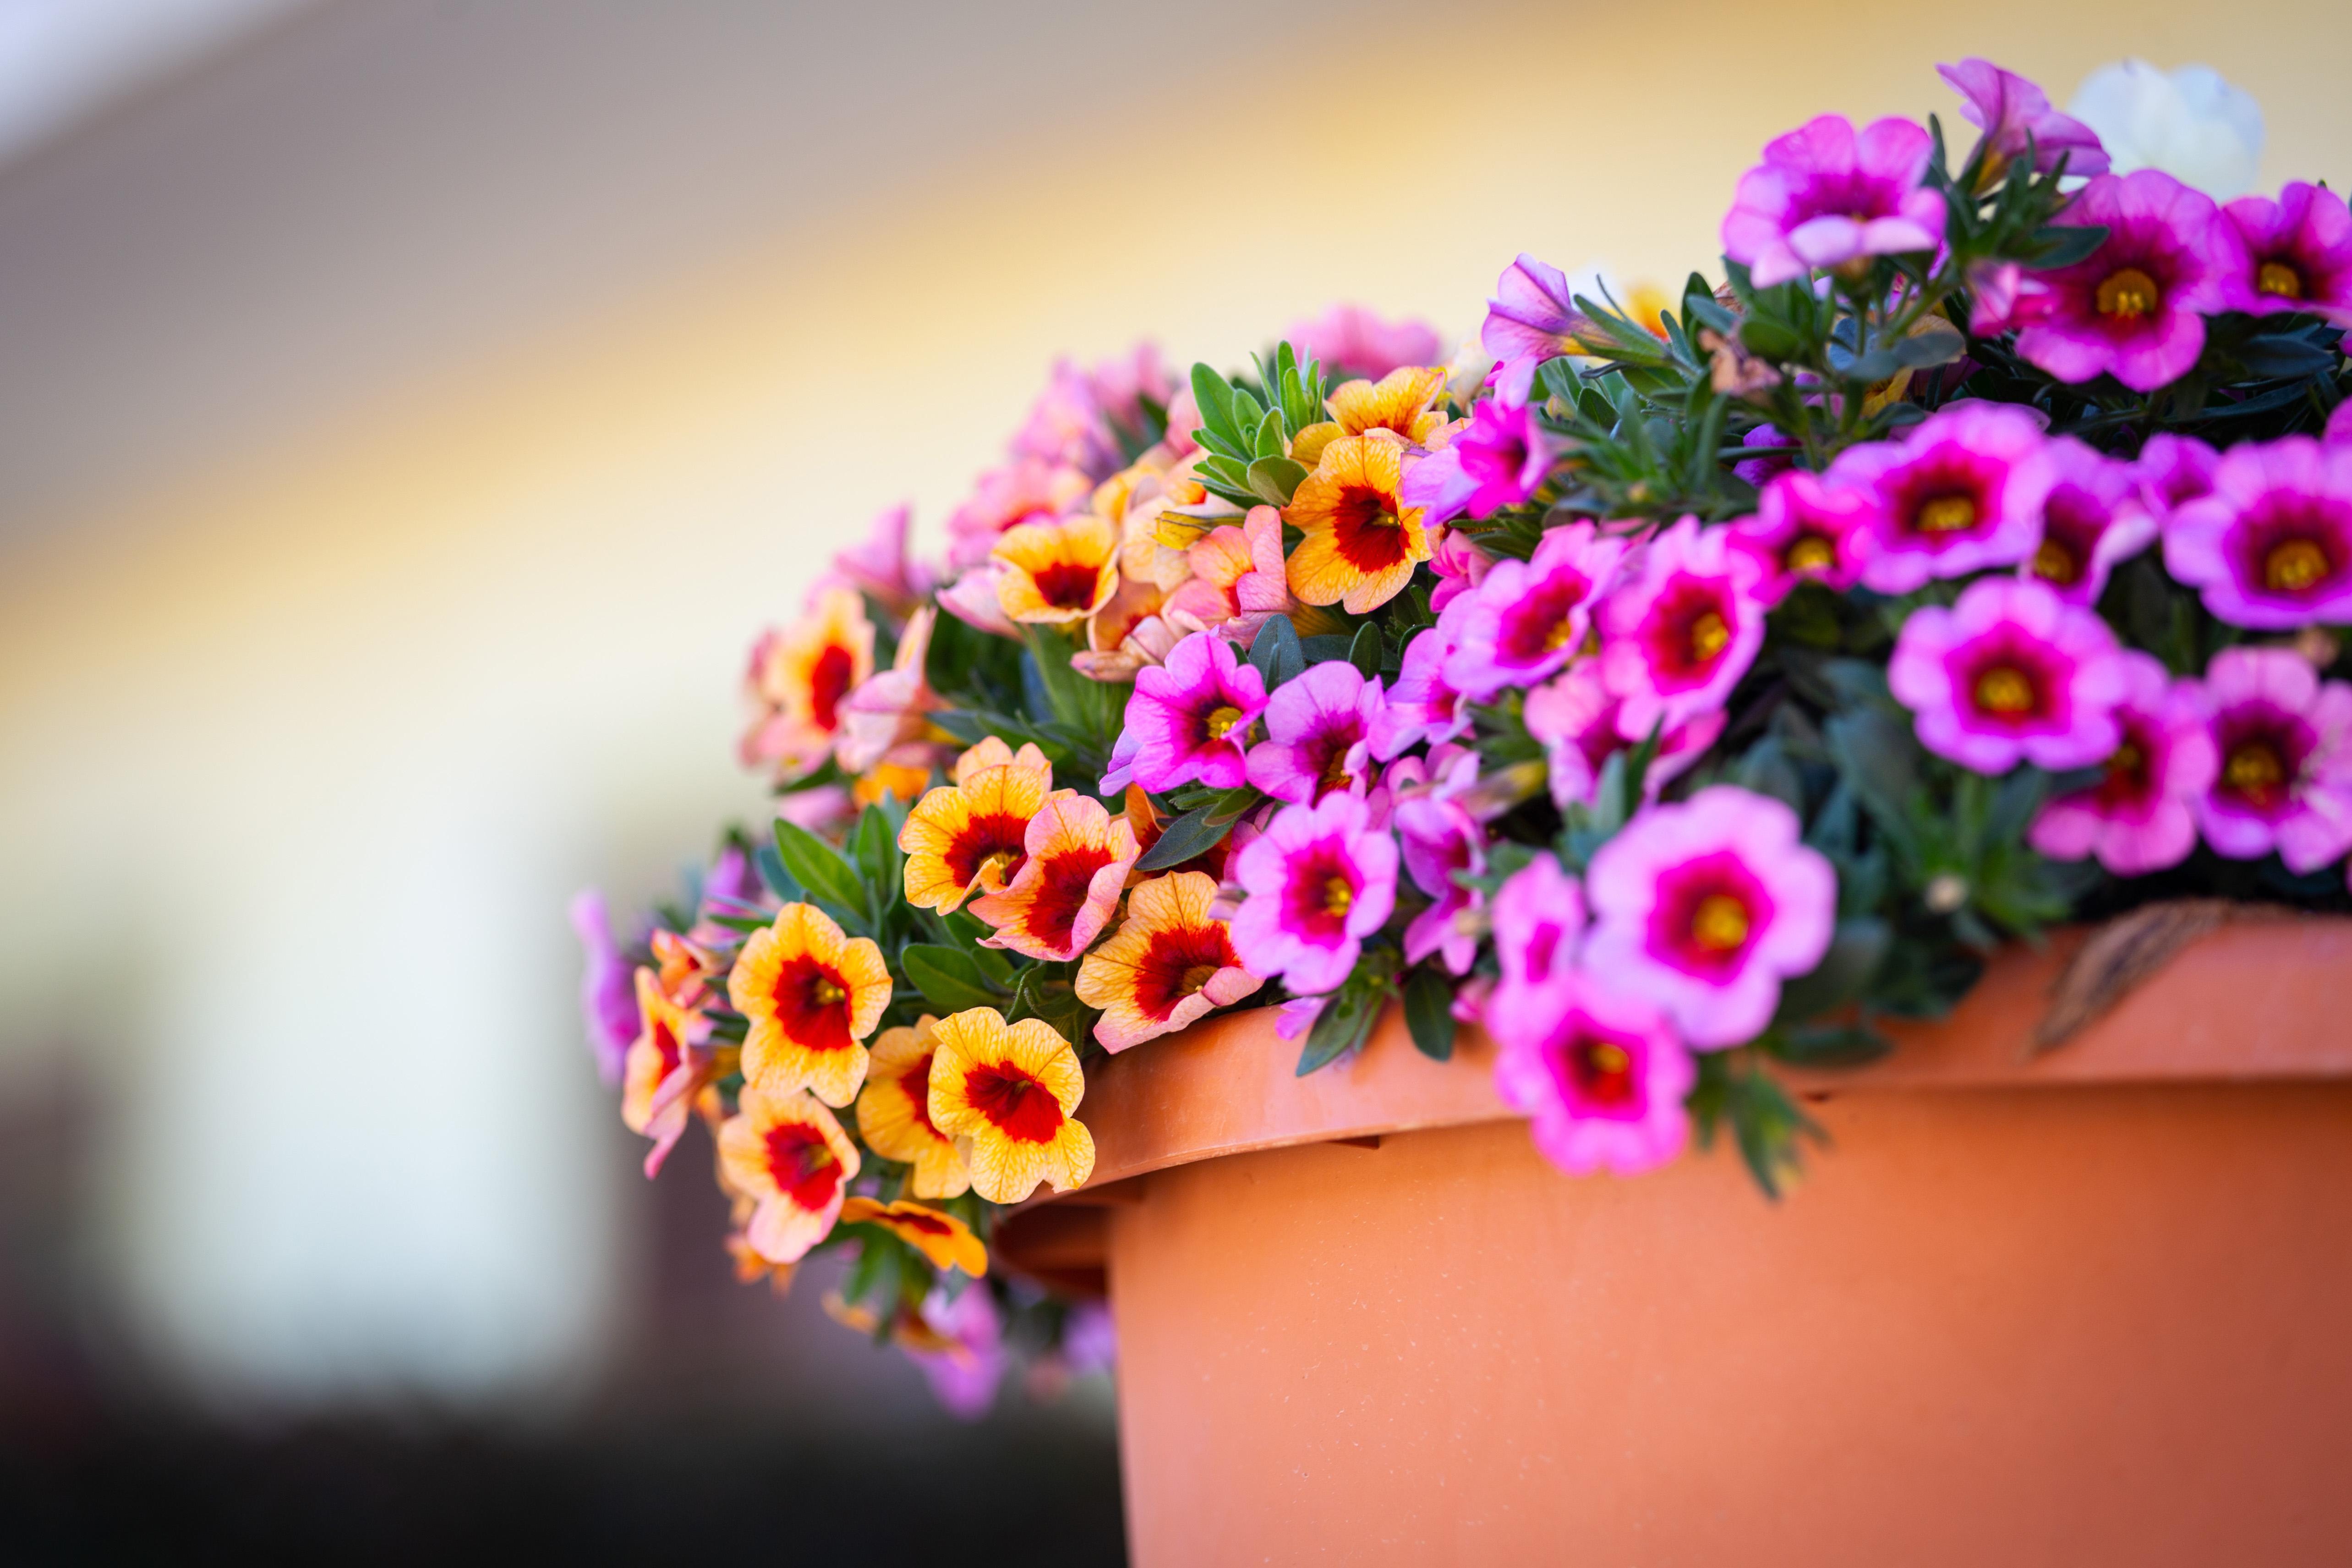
(1191, 717)
(1826, 195)
(964, 1375)
(1317, 729)
(1681, 628)
(1803, 528)
(608, 987)
(1438, 839)
(2010, 110)
(2094, 516)
(1030, 491)
(1500, 460)
(2284, 741)
(1532, 318)
(1777, 453)
(2137, 819)
(1352, 341)
(1575, 718)
(1538, 916)
(1704, 907)
(880, 566)
(2271, 547)
(1531, 617)
(2010, 671)
(2136, 306)
(1422, 707)
(1459, 566)
(972, 600)
(2297, 253)
(1961, 491)
(2339, 425)
(1319, 880)
(2006, 298)
(1601, 1074)
(2175, 470)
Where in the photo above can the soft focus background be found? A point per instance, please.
(409, 411)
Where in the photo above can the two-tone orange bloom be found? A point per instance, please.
(667, 1063)
(811, 995)
(1058, 572)
(791, 1158)
(1005, 1094)
(973, 834)
(940, 1237)
(894, 1112)
(685, 967)
(1168, 965)
(799, 679)
(1362, 541)
(1400, 402)
(1079, 856)
(887, 719)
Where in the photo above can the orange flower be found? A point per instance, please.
(1079, 858)
(1058, 572)
(667, 1063)
(810, 994)
(1398, 401)
(890, 781)
(798, 680)
(973, 832)
(1362, 541)
(944, 1239)
(790, 1157)
(1167, 966)
(687, 968)
(751, 1268)
(1005, 1093)
(894, 1112)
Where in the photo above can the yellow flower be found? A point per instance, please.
(1362, 541)
(1167, 966)
(1005, 1094)
(667, 1063)
(944, 1239)
(799, 680)
(890, 781)
(1058, 572)
(1079, 858)
(811, 995)
(1398, 401)
(894, 1112)
(790, 1157)
(973, 834)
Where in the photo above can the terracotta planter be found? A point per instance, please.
(2090, 1308)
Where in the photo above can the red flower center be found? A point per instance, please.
(664, 1046)
(1540, 624)
(1365, 530)
(1687, 632)
(1015, 1102)
(2263, 751)
(1065, 880)
(801, 1164)
(829, 683)
(915, 1083)
(1602, 1071)
(996, 835)
(1177, 964)
(813, 1004)
(1067, 585)
(921, 1219)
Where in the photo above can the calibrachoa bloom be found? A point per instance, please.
(2013, 113)
(2095, 516)
(2270, 546)
(1531, 617)
(2011, 673)
(810, 995)
(939, 1236)
(1804, 530)
(1169, 964)
(608, 1005)
(1826, 196)
(2298, 252)
(880, 566)
(786, 1154)
(1399, 402)
(1422, 707)
(1237, 578)
(1058, 572)
(1538, 916)
(1961, 491)
(1438, 838)
(1500, 459)
(2175, 470)
(1030, 491)
(973, 834)
(1320, 879)
(1459, 565)
(798, 679)
(2137, 819)
(888, 718)
(1532, 318)
(2283, 740)
(1007, 1094)
(667, 1063)
(1362, 540)
(1353, 340)
(1079, 856)
(1681, 628)
(894, 1112)
(1317, 728)
(2135, 308)
(961, 1353)
(1602, 1076)
(1576, 720)
(1191, 717)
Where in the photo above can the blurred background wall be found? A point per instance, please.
(410, 409)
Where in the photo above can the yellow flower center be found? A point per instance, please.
(2004, 690)
(2126, 761)
(2130, 293)
(1196, 977)
(2279, 280)
(1556, 638)
(1720, 923)
(1607, 1061)
(1339, 895)
(1947, 514)
(1708, 636)
(993, 868)
(2293, 565)
(1222, 719)
(1810, 553)
(2054, 563)
(2253, 769)
(824, 993)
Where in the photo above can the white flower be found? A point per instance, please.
(2189, 123)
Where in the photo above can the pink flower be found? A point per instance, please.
(963, 1375)
(1532, 318)
(2012, 672)
(1802, 529)
(1500, 460)
(2339, 425)
(2283, 740)
(2297, 251)
(2137, 819)
(1602, 1076)
(2173, 471)
(1577, 721)
(2271, 547)
(1538, 918)
(1777, 453)
(1030, 491)
(887, 717)
(2006, 298)
(972, 600)
(1825, 196)
(1192, 715)
(2010, 110)
(1316, 725)
(2094, 516)
(1531, 617)
(1704, 907)
(2136, 306)
(1077, 420)
(1293, 1018)
(1237, 578)
(1681, 628)
(1352, 341)
(1961, 491)
(1319, 880)
(1439, 838)
(880, 567)
(1423, 706)
(608, 987)
(1459, 565)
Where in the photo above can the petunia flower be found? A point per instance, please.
(2270, 546)
(667, 1063)
(1168, 965)
(2138, 817)
(888, 717)
(810, 995)
(1459, 566)
(1057, 572)
(1962, 490)
(2095, 516)
(2298, 253)
(942, 1238)
(1237, 580)
(972, 834)
(2012, 112)
(1191, 717)
(1030, 491)
(1319, 880)
(608, 1006)
(798, 679)
(1532, 319)
(1361, 540)
(1680, 628)
(881, 567)
(1705, 907)
(1399, 402)
(1602, 1075)
(2010, 673)
(2283, 740)
(1079, 856)
(1826, 196)
(1438, 838)
(787, 1154)
(1352, 340)
(1539, 919)
(894, 1112)
(2174, 470)
(1805, 529)
(1499, 460)
(1422, 707)
(1576, 720)
(1007, 1093)
(1530, 618)
(2136, 306)
(1318, 726)
(2188, 122)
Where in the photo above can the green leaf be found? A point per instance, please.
(1366, 651)
(1324, 647)
(1345, 1022)
(1215, 395)
(818, 867)
(1275, 654)
(1276, 479)
(2063, 244)
(1429, 1012)
(1832, 1045)
(1194, 833)
(874, 847)
(1856, 950)
(949, 978)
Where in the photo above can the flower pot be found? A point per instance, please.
(2089, 1306)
